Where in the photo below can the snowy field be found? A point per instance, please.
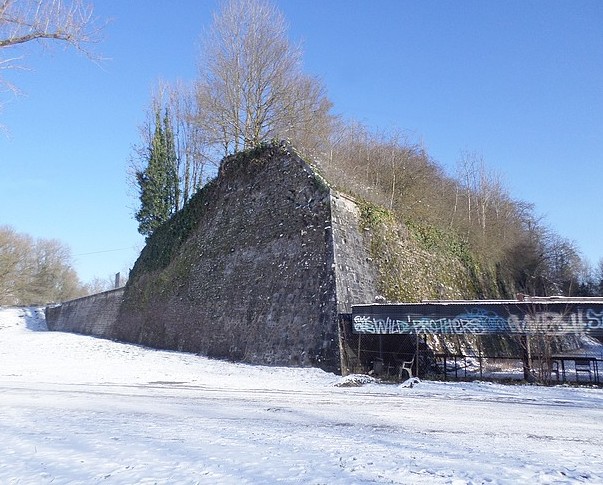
(76, 409)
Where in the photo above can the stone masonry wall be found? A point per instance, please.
(255, 281)
(355, 271)
(258, 271)
(90, 315)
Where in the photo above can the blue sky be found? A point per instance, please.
(520, 82)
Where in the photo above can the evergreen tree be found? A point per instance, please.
(158, 182)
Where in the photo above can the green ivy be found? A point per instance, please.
(372, 215)
(163, 245)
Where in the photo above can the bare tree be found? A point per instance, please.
(598, 278)
(14, 250)
(194, 161)
(564, 264)
(24, 21)
(35, 271)
(53, 278)
(475, 181)
(482, 209)
(251, 86)
(193, 148)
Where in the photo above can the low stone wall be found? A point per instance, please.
(90, 315)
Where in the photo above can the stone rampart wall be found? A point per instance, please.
(269, 260)
(255, 281)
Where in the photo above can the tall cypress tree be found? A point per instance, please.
(158, 182)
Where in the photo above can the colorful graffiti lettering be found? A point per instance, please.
(594, 319)
(481, 321)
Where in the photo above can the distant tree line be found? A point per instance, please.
(35, 271)
(251, 89)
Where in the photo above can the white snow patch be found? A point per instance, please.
(76, 409)
(355, 380)
(411, 382)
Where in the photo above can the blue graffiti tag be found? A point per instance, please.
(482, 321)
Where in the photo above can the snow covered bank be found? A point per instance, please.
(76, 409)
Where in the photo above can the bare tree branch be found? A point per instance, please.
(23, 21)
(70, 22)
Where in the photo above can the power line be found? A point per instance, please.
(105, 251)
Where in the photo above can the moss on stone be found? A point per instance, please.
(417, 261)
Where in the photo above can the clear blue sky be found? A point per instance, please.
(520, 82)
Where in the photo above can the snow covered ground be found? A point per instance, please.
(76, 409)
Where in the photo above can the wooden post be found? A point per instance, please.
(344, 355)
(417, 356)
(479, 349)
(359, 365)
(526, 358)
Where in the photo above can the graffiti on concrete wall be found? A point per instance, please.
(499, 319)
